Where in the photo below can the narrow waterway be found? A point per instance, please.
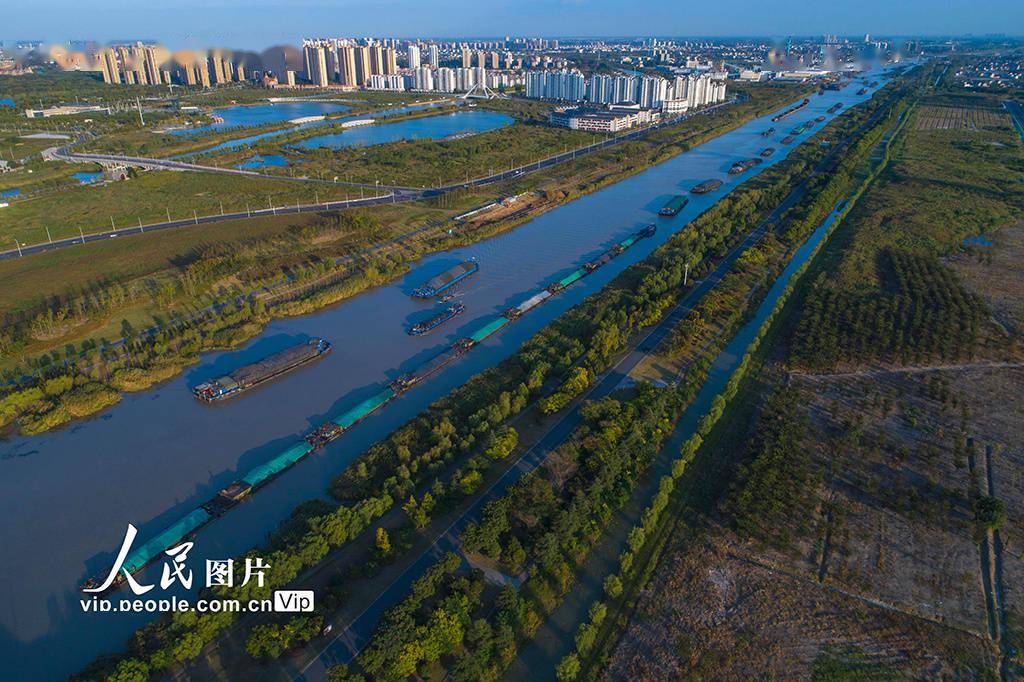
(67, 496)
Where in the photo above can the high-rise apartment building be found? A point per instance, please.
(363, 65)
(435, 55)
(413, 56)
(467, 57)
(347, 66)
(390, 61)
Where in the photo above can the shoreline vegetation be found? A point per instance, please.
(440, 457)
(84, 381)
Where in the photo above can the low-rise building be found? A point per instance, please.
(601, 120)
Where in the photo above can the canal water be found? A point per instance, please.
(432, 128)
(251, 115)
(66, 497)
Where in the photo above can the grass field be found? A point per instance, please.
(944, 185)
(423, 163)
(153, 196)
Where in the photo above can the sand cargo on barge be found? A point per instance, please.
(706, 186)
(248, 376)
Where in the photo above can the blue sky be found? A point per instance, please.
(244, 24)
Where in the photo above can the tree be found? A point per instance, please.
(990, 511)
(383, 543)
(568, 668)
(613, 586)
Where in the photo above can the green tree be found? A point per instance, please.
(383, 543)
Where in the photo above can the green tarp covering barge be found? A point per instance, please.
(347, 419)
(488, 329)
(279, 463)
(165, 540)
(572, 277)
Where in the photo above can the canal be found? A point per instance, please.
(67, 496)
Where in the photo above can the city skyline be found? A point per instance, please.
(235, 24)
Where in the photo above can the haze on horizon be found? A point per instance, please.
(238, 24)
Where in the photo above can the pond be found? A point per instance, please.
(458, 123)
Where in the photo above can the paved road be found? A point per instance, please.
(391, 193)
(1017, 113)
(352, 638)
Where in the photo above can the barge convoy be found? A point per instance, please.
(447, 279)
(674, 206)
(435, 321)
(248, 376)
(789, 112)
(333, 429)
(706, 186)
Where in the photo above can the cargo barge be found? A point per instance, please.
(437, 320)
(768, 132)
(446, 280)
(674, 206)
(788, 138)
(244, 378)
(789, 112)
(862, 91)
(333, 429)
(835, 107)
(744, 166)
(767, 151)
(819, 119)
(799, 129)
(706, 186)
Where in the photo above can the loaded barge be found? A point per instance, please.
(789, 112)
(674, 206)
(333, 429)
(835, 107)
(446, 280)
(767, 151)
(706, 186)
(744, 166)
(244, 378)
(437, 320)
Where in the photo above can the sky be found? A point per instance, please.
(245, 24)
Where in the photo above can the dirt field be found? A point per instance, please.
(901, 483)
(993, 272)
(718, 611)
(959, 118)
